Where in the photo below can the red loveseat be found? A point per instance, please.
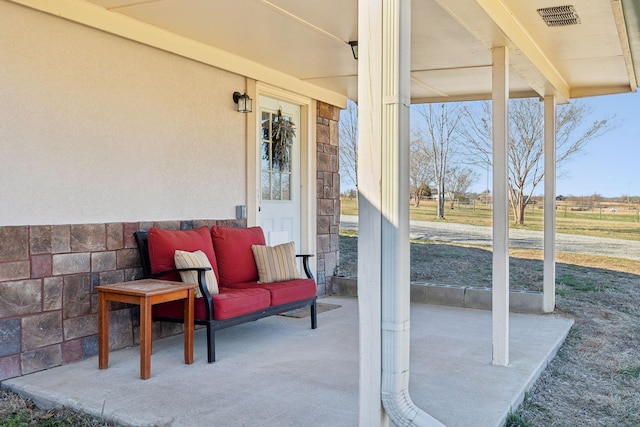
(240, 296)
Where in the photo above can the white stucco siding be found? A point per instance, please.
(96, 128)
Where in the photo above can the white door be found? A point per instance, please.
(279, 166)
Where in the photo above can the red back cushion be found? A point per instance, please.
(164, 243)
(234, 255)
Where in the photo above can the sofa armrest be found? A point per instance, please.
(202, 282)
(305, 264)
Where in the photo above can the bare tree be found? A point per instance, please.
(349, 142)
(420, 167)
(441, 130)
(526, 142)
(459, 179)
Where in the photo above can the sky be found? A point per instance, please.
(608, 165)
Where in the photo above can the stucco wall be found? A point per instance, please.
(96, 128)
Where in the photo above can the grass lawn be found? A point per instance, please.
(599, 221)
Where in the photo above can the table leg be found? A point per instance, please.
(188, 328)
(145, 338)
(103, 331)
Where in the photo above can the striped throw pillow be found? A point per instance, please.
(276, 263)
(184, 259)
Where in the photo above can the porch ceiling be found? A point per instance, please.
(306, 42)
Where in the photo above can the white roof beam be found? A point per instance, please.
(522, 40)
(618, 15)
(505, 29)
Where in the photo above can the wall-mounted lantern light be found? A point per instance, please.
(243, 101)
(354, 48)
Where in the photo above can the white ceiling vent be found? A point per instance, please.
(559, 16)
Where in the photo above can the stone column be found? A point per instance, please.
(328, 191)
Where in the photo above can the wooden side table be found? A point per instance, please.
(144, 293)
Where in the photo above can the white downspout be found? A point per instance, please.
(396, 327)
(386, 65)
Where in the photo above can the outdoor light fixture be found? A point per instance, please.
(354, 48)
(243, 101)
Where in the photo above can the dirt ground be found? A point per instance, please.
(595, 378)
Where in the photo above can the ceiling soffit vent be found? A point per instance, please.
(559, 16)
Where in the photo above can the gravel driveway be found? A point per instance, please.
(527, 239)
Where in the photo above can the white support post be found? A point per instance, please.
(369, 208)
(500, 278)
(549, 282)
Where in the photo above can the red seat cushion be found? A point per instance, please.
(284, 292)
(164, 243)
(236, 302)
(234, 256)
(227, 304)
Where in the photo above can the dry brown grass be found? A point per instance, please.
(17, 411)
(595, 378)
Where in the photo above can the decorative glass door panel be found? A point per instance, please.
(278, 133)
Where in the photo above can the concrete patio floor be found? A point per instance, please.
(279, 372)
